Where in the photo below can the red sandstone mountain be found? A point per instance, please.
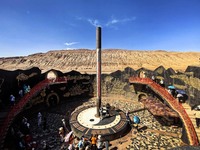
(84, 60)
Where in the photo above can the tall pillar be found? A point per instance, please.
(98, 53)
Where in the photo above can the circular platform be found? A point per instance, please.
(84, 122)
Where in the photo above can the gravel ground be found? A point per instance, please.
(149, 138)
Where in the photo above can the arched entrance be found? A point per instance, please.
(142, 96)
(52, 99)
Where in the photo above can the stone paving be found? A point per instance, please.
(151, 136)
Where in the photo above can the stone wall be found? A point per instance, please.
(115, 83)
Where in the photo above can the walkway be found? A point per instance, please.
(17, 108)
(174, 104)
(191, 114)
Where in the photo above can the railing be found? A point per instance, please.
(173, 103)
(17, 108)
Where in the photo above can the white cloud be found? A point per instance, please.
(111, 23)
(94, 22)
(115, 21)
(70, 43)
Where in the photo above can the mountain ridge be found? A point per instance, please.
(84, 60)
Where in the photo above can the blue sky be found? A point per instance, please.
(34, 26)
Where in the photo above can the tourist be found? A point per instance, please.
(26, 88)
(75, 143)
(64, 125)
(71, 147)
(162, 83)
(28, 141)
(81, 144)
(25, 126)
(153, 77)
(44, 145)
(101, 113)
(107, 145)
(94, 142)
(197, 116)
(169, 91)
(88, 147)
(108, 110)
(24, 120)
(179, 97)
(136, 121)
(20, 93)
(39, 119)
(128, 117)
(99, 143)
(12, 100)
(84, 140)
(62, 134)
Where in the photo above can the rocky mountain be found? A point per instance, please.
(84, 60)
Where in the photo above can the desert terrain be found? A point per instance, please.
(84, 60)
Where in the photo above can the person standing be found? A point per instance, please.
(107, 145)
(99, 143)
(39, 119)
(153, 77)
(197, 116)
(162, 83)
(128, 117)
(94, 142)
(80, 144)
(20, 93)
(64, 125)
(12, 100)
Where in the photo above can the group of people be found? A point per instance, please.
(105, 112)
(21, 135)
(26, 89)
(134, 122)
(72, 142)
(159, 81)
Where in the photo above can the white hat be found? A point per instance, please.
(99, 136)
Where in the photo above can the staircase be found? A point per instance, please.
(174, 104)
(8, 116)
(192, 117)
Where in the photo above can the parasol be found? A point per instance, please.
(180, 91)
(179, 95)
(136, 119)
(171, 87)
(67, 137)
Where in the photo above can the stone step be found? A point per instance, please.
(197, 130)
(190, 112)
(192, 117)
(188, 108)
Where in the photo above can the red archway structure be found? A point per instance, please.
(174, 104)
(16, 109)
